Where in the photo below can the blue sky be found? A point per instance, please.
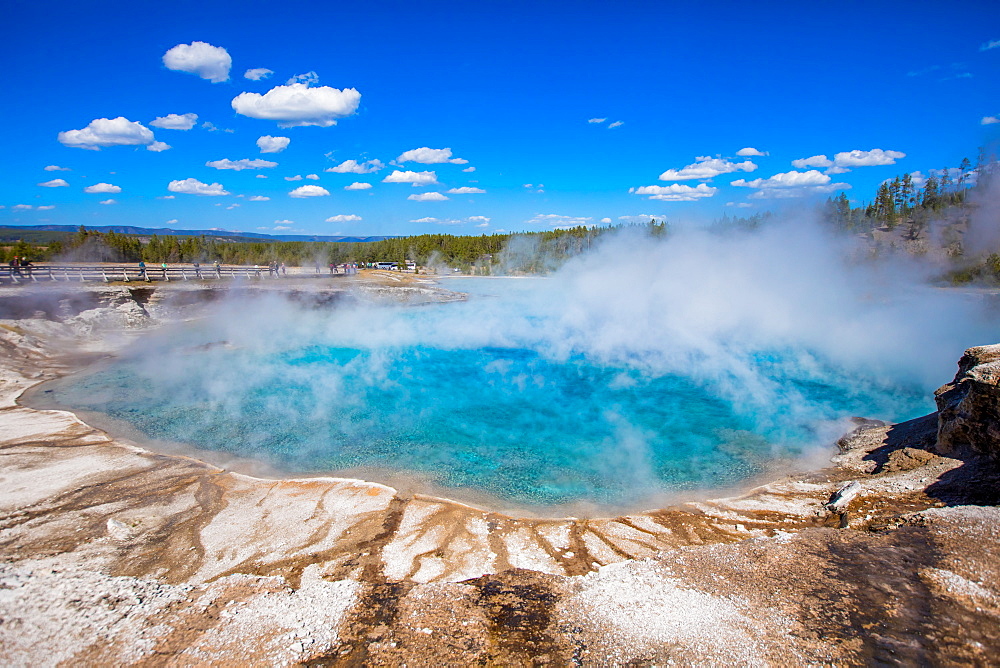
(559, 113)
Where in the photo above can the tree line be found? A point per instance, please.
(905, 208)
(900, 201)
(537, 251)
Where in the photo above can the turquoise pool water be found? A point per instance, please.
(516, 422)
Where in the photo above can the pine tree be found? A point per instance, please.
(907, 194)
(964, 171)
(931, 193)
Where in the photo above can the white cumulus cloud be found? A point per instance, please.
(103, 188)
(309, 191)
(415, 178)
(200, 58)
(707, 167)
(22, 207)
(479, 219)
(813, 161)
(175, 121)
(791, 184)
(597, 120)
(257, 73)
(876, 156)
(676, 192)
(990, 45)
(297, 177)
(239, 165)
(47, 207)
(355, 167)
(987, 120)
(616, 124)
(469, 169)
(791, 179)
(269, 144)
(57, 168)
(358, 185)
(158, 146)
(196, 187)
(297, 104)
(309, 79)
(108, 132)
(427, 197)
(258, 198)
(465, 190)
(749, 151)
(54, 183)
(843, 161)
(343, 218)
(312, 177)
(108, 201)
(430, 156)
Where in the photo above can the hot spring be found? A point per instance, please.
(634, 373)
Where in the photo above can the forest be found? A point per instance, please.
(539, 251)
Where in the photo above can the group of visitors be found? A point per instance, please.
(274, 269)
(196, 265)
(348, 267)
(20, 266)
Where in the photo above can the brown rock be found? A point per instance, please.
(969, 406)
(907, 459)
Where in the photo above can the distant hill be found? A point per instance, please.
(12, 232)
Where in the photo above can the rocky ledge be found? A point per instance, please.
(969, 406)
(111, 554)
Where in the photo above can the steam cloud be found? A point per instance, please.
(755, 319)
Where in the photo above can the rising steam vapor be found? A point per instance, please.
(983, 236)
(645, 364)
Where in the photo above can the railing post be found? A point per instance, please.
(51, 275)
(125, 274)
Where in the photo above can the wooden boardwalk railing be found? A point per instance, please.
(113, 273)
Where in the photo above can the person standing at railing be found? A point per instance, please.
(15, 266)
(218, 269)
(26, 266)
(197, 269)
(164, 267)
(142, 270)
(284, 271)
